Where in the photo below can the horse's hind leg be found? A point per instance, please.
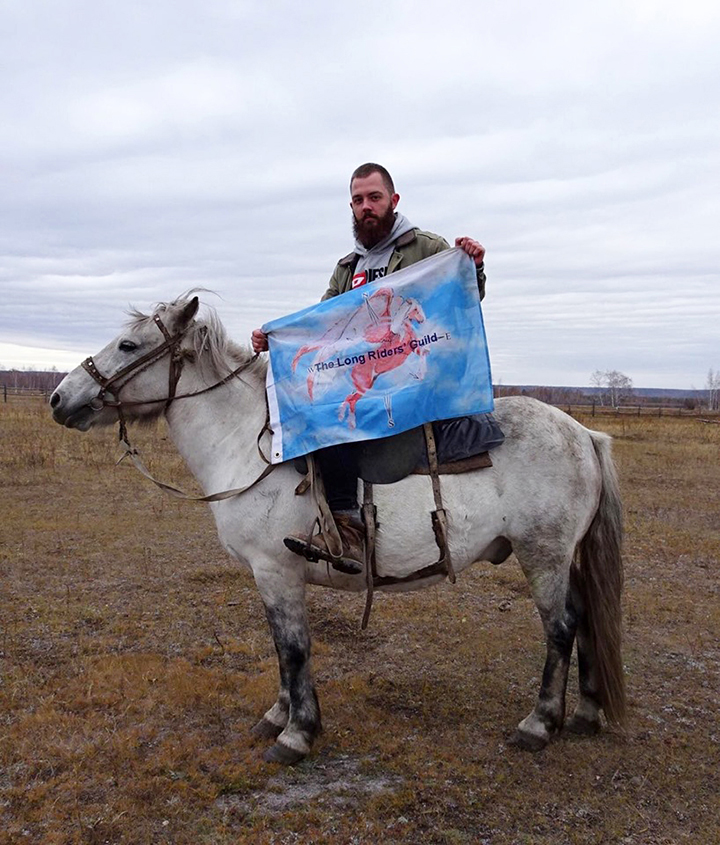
(586, 718)
(556, 606)
(274, 721)
(294, 719)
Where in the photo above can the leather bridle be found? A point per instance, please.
(126, 374)
(115, 383)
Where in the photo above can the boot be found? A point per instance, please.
(352, 535)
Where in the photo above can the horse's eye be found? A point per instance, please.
(127, 346)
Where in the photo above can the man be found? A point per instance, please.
(385, 241)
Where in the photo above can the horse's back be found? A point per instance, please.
(550, 470)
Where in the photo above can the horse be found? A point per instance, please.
(551, 497)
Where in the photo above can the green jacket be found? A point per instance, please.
(410, 248)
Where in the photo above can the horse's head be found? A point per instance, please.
(415, 312)
(138, 371)
(406, 312)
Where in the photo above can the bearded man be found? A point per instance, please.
(385, 241)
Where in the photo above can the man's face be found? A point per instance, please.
(373, 208)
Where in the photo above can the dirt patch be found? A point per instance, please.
(335, 780)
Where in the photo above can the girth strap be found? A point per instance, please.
(369, 516)
(439, 519)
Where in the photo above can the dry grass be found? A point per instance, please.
(135, 658)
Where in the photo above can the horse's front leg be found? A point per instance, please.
(557, 611)
(295, 717)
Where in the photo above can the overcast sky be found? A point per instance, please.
(150, 146)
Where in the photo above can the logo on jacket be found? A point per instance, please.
(367, 276)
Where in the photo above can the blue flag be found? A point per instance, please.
(379, 359)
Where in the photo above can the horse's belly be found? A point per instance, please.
(405, 537)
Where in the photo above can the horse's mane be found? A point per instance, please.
(215, 352)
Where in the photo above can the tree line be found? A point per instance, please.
(31, 379)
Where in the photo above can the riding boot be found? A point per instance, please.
(352, 535)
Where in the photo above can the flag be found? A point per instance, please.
(381, 359)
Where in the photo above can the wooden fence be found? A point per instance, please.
(594, 409)
(12, 393)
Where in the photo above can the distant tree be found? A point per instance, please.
(614, 386)
(712, 385)
(620, 387)
(597, 379)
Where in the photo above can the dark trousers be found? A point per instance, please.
(339, 469)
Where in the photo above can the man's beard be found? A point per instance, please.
(378, 230)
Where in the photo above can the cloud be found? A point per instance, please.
(148, 148)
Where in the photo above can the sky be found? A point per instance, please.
(150, 147)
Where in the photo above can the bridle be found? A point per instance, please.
(115, 383)
(126, 374)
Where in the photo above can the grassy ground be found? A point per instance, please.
(135, 658)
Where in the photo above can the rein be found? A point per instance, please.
(169, 346)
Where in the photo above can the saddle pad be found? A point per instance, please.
(462, 445)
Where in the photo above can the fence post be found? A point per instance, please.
(5, 393)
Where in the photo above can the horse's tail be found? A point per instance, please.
(599, 577)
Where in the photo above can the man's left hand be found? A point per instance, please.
(475, 250)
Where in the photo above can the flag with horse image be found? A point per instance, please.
(379, 359)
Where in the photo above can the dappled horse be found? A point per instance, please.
(551, 498)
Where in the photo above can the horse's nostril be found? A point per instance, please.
(54, 400)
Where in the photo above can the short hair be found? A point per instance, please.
(368, 169)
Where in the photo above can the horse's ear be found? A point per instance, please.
(188, 312)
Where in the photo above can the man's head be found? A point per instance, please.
(373, 201)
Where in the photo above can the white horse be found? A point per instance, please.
(551, 497)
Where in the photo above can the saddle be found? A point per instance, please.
(448, 446)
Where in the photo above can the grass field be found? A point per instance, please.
(135, 657)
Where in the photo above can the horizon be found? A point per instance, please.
(588, 388)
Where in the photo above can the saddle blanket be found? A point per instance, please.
(380, 359)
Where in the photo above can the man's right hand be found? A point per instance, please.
(259, 341)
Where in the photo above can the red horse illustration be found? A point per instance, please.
(385, 321)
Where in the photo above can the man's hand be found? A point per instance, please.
(475, 250)
(259, 341)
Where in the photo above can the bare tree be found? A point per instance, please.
(597, 379)
(615, 386)
(712, 385)
(620, 387)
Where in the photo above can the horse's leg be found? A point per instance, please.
(556, 606)
(273, 722)
(295, 717)
(586, 718)
(348, 405)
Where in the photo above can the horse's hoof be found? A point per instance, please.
(266, 730)
(283, 755)
(581, 725)
(527, 741)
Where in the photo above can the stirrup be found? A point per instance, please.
(315, 554)
(303, 549)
